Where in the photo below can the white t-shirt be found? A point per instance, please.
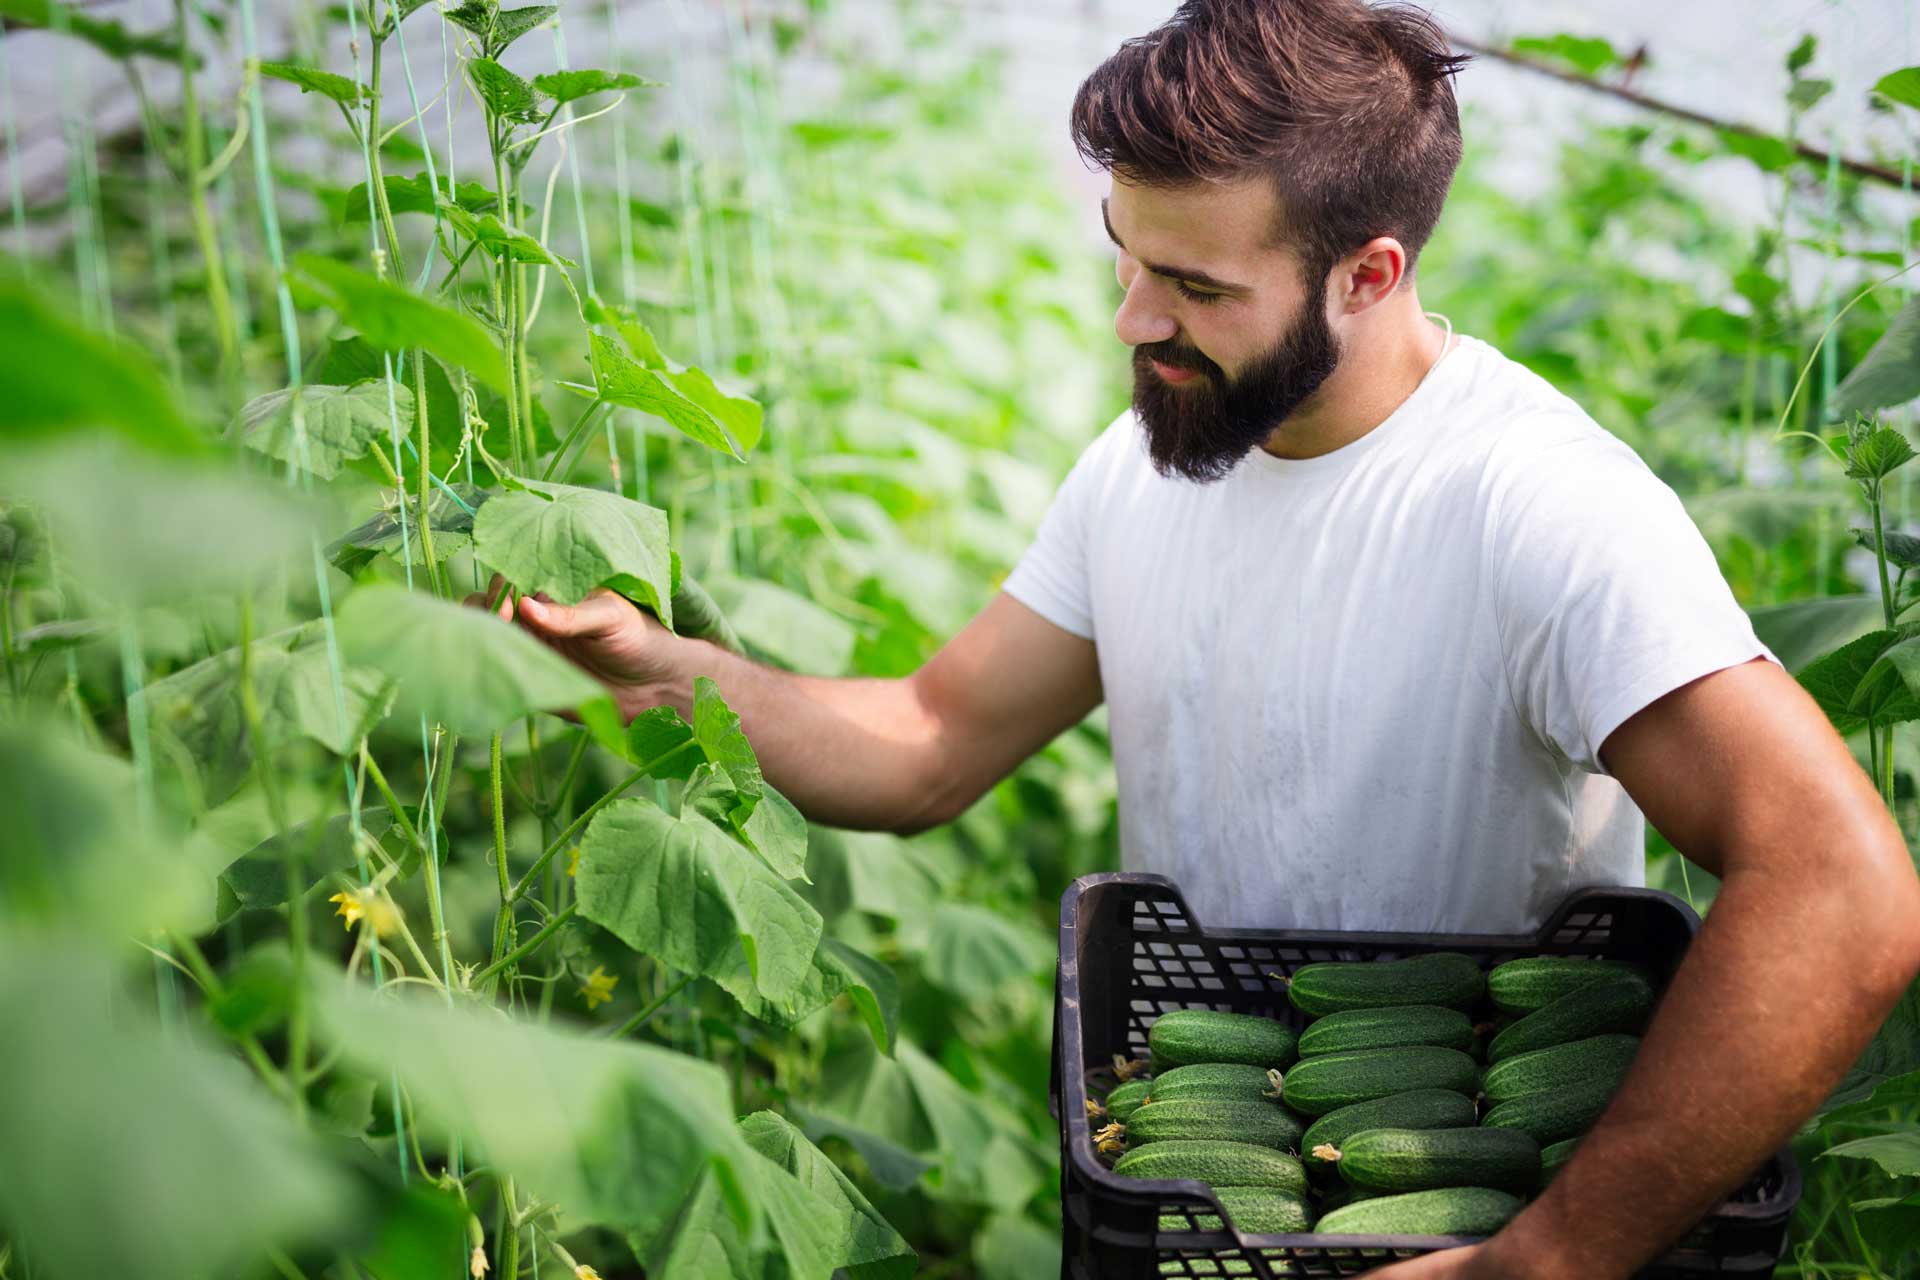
(1367, 690)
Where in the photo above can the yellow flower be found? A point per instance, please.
(573, 869)
(585, 1272)
(350, 907)
(599, 987)
(477, 1263)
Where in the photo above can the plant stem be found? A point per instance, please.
(393, 802)
(507, 1243)
(424, 473)
(1880, 554)
(194, 153)
(503, 920)
(560, 917)
(639, 1019)
(505, 307)
(249, 1044)
(574, 828)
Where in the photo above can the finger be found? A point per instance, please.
(599, 614)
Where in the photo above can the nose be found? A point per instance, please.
(1140, 318)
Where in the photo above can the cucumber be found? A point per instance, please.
(1216, 1162)
(1452, 1211)
(1319, 1085)
(1619, 1003)
(1534, 982)
(1419, 1159)
(1126, 1098)
(1444, 978)
(1388, 1028)
(1256, 1211)
(1552, 1117)
(1596, 1058)
(1420, 1109)
(1187, 1036)
(1553, 1157)
(1264, 1123)
(1212, 1080)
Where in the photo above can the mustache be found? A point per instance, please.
(1174, 356)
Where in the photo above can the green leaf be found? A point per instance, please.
(1014, 1247)
(74, 847)
(1902, 86)
(109, 38)
(1886, 693)
(837, 969)
(1887, 1094)
(866, 1244)
(340, 423)
(505, 94)
(1903, 549)
(972, 952)
(418, 195)
(1801, 55)
(1803, 630)
(1770, 153)
(686, 401)
(682, 891)
(1806, 92)
(1874, 451)
(313, 80)
(452, 524)
(497, 27)
(59, 376)
(786, 626)
(571, 86)
(396, 319)
(632, 329)
(1889, 1224)
(1889, 374)
(770, 826)
(661, 732)
(1588, 55)
(459, 666)
(566, 541)
(129, 1151)
(697, 616)
(1835, 679)
(618, 1132)
(258, 878)
(717, 729)
(1898, 1154)
(1894, 1052)
(502, 241)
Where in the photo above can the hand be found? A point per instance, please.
(1447, 1264)
(604, 635)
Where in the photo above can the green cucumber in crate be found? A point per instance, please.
(1619, 1003)
(1544, 1070)
(1422, 1159)
(1216, 1162)
(1388, 1028)
(1256, 1211)
(1444, 978)
(1212, 1080)
(1319, 1085)
(1127, 1098)
(1534, 982)
(1553, 1158)
(1418, 1109)
(1553, 1117)
(1230, 1119)
(1451, 1211)
(1188, 1036)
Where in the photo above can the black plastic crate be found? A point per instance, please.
(1130, 951)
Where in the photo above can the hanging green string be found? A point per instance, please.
(623, 219)
(9, 134)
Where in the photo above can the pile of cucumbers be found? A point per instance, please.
(1394, 1112)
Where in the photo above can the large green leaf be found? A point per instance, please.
(571, 86)
(565, 541)
(313, 80)
(452, 523)
(418, 195)
(394, 318)
(108, 37)
(74, 847)
(661, 737)
(683, 891)
(972, 951)
(617, 1132)
(696, 615)
(502, 241)
(1889, 373)
(126, 1151)
(1902, 86)
(716, 727)
(864, 1242)
(837, 969)
(497, 27)
(791, 629)
(1802, 630)
(59, 377)
(1898, 1154)
(340, 423)
(1834, 679)
(460, 666)
(686, 400)
(1890, 1224)
(505, 94)
(1886, 693)
(258, 878)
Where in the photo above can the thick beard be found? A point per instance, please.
(1200, 430)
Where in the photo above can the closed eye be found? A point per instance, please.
(1192, 294)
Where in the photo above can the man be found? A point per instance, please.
(1393, 636)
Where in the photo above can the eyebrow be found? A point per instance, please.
(1178, 273)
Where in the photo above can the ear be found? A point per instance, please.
(1369, 274)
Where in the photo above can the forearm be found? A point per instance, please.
(848, 752)
(1782, 988)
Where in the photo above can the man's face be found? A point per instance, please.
(1227, 340)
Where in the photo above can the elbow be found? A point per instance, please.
(940, 795)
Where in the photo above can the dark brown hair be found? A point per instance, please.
(1348, 108)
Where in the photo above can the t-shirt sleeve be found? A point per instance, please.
(1053, 577)
(1608, 596)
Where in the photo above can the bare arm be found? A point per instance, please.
(1814, 936)
(879, 754)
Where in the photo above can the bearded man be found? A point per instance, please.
(1392, 634)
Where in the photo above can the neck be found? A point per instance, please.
(1384, 358)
